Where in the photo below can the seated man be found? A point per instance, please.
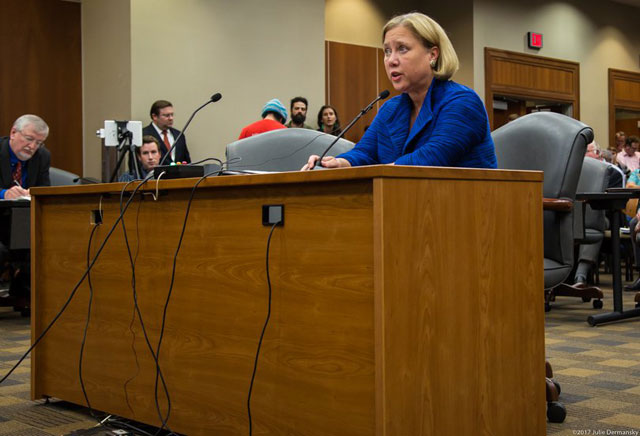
(24, 162)
(629, 156)
(274, 115)
(588, 254)
(634, 227)
(148, 156)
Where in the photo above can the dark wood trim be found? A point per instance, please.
(617, 101)
(538, 66)
(557, 205)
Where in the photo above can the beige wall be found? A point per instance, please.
(250, 51)
(360, 22)
(580, 31)
(354, 22)
(106, 71)
(184, 51)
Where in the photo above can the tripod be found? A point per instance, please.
(125, 148)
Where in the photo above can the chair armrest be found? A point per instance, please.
(557, 204)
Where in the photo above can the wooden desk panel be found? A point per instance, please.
(375, 328)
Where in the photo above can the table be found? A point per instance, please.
(388, 316)
(614, 199)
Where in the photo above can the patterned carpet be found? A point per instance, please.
(598, 369)
(18, 415)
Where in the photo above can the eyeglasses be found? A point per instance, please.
(31, 140)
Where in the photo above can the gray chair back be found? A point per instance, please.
(281, 150)
(594, 178)
(60, 177)
(555, 144)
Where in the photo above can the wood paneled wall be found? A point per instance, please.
(528, 76)
(624, 93)
(354, 76)
(41, 73)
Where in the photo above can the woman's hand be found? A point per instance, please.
(327, 162)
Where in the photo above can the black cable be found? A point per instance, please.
(264, 329)
(163, 418)
(118, 423)
(133, 318)
(86, 325)
(207, 159)
(75, 289)
(173, 272)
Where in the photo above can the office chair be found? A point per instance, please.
(281, 150)
(555, 144)
(61, 177)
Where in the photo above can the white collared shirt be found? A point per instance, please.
(172, 140)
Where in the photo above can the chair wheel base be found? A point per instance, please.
(556, 412)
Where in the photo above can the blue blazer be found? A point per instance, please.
(452, 130)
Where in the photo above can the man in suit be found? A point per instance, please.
(161, 128)
(148, 156)
(24, 161)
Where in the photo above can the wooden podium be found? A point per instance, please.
(406, 301)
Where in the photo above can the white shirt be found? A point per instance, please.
(172, 140)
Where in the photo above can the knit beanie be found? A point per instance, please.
(275, 106)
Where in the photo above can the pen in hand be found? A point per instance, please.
(16, 191)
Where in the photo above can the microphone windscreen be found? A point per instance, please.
(384, 94)
(217, 96)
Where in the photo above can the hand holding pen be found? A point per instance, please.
(16, 191)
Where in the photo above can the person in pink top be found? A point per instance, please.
(629, 156)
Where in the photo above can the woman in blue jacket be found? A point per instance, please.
(435, 121)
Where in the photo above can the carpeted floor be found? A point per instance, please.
(18, 415)
(598, 369)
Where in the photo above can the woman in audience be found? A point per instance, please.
(328, 121)
(435, 121)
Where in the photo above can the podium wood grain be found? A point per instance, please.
(406, 301)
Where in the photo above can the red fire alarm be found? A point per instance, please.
(534, 40)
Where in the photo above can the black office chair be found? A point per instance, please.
(555, 144)
(281, 150)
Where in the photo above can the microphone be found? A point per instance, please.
(384, 94)
(215, 97)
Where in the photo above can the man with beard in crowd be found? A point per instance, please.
(299, 113)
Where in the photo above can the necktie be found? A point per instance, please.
(165, 138)
(17, 173)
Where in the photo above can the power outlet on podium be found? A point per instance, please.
(272, 214)
(96, 217)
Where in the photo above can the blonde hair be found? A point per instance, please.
(431, 34)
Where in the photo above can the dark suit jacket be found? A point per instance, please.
(37, 166)
(182, 152)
